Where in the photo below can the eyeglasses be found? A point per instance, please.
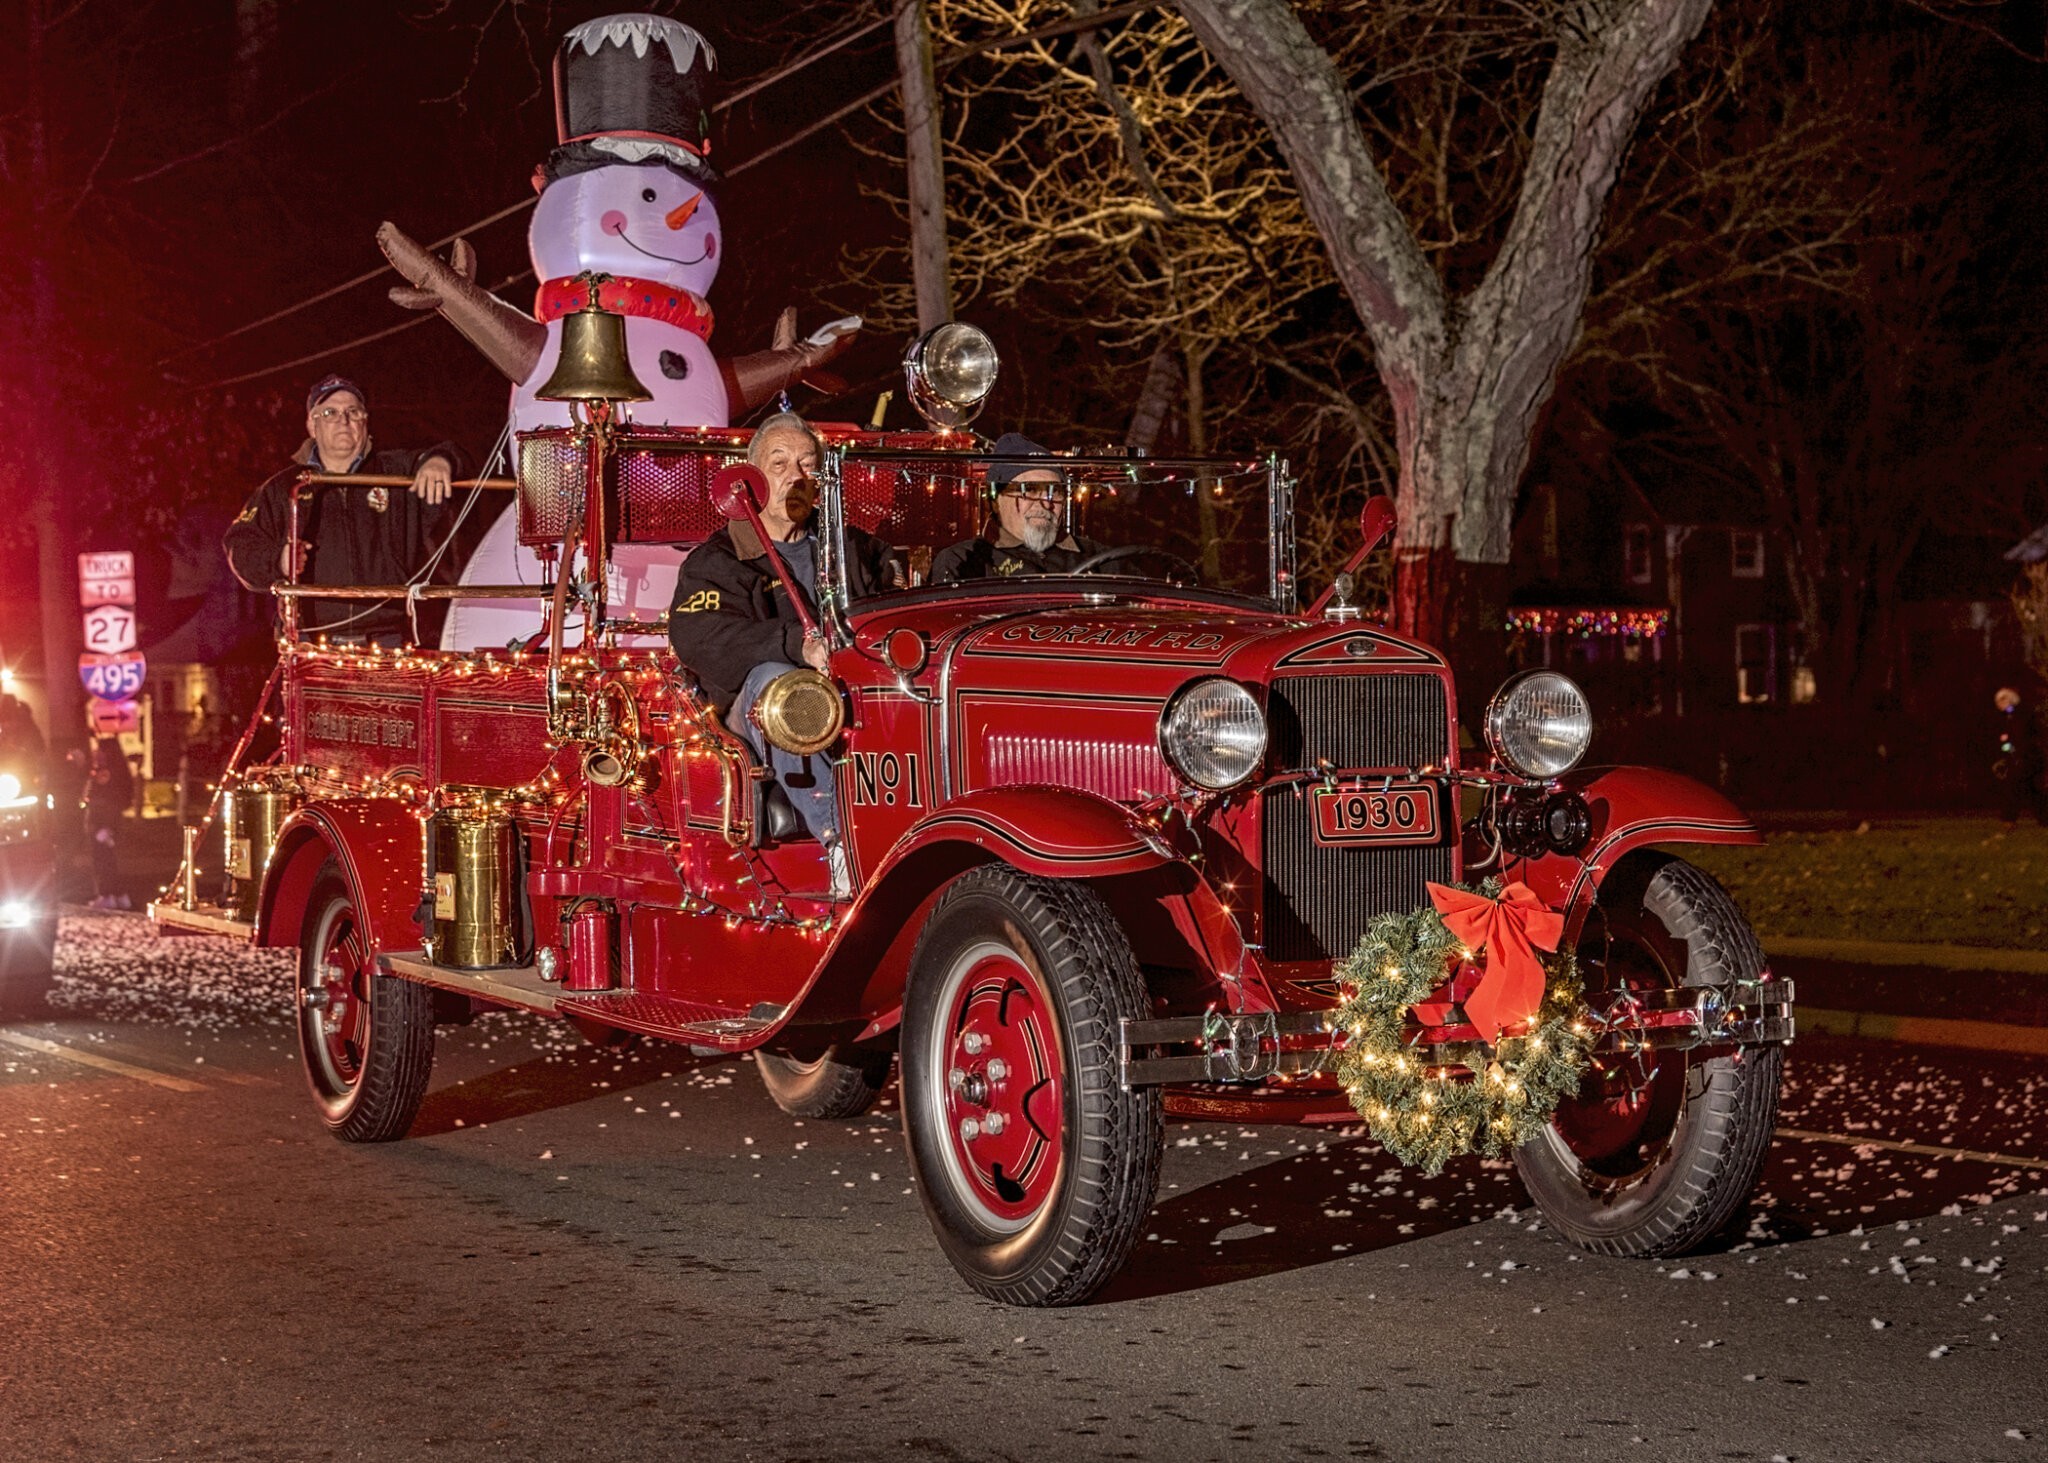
(1035, 492)
(341, 414)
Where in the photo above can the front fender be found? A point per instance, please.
(379, 846)
(1053, 832)
(1632, 807)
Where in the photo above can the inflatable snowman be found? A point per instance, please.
(624, 194)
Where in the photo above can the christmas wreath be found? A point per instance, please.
(1487, 1095)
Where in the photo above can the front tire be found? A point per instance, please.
(1658, 1151)
(366, 1038)
(826, 1088)
(1036, 1167)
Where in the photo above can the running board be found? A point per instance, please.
(172, 918)
(513, 985)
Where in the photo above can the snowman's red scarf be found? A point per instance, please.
(642, 299)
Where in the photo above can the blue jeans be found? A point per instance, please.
(817, 806)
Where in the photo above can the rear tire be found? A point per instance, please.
(827, 1087)
(366, 1038)
(1036, 1167)
(28, 960)
(1657, 1153)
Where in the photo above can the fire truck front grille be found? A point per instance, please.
(1358, 721)
(1317, 899)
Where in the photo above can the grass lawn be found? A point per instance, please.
(1955, 881)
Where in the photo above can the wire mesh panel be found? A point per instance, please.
(658, 481)
(907, 502)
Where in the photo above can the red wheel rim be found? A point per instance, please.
(1623, 1116)
(1001, 1086)
(336, 999)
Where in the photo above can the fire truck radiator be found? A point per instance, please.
(1318, 899)
(1384, 721)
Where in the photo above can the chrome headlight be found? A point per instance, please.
(1213, 733)
(1540, 724)
(950, 370)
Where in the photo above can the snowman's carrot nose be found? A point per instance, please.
(684, 211)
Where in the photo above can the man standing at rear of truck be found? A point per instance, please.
(347, 534)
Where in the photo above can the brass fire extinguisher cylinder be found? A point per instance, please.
(251, 814)
(474, 863)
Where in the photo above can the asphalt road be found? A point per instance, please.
(588, 1255)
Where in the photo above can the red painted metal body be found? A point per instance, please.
(1027, 732)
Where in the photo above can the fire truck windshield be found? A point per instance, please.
(1220, 524)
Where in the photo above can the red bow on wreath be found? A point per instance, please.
(1511, 930)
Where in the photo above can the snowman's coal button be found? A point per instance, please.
(674, 366)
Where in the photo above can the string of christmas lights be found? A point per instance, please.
(1628, 622)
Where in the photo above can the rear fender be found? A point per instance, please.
(378, 845)
(1172, 913)
(1632, 808)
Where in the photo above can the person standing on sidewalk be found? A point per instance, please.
(109, 789)
(2016, 766)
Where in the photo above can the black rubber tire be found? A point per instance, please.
(375, 1098)
(28, 962)
(827, 1087)
(1111, 1139)
(1701, 1168)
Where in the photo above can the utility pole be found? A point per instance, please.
(49, 505)
(928, 266)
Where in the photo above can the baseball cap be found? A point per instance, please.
(1013, 444)
(326, 386)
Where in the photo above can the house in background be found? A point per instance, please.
(1661, 593)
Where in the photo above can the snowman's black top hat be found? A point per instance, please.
(633, 89)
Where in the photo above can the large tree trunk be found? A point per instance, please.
(1468, 378)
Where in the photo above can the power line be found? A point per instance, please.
(1070, 26)
(839, 42)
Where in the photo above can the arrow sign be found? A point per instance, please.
(113, 677)
(113, 718)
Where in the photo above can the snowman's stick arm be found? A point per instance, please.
(510, 339)
(753, 379)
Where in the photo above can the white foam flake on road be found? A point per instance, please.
(119, 969)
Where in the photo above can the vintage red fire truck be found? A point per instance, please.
(1108, 834)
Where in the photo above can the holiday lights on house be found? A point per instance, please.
(1629, 622)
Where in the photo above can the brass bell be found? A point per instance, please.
(594, 365)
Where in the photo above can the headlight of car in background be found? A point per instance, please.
(1213, 733)
(17, 914)
(11, 795)
(1540, 724)
(950, 370)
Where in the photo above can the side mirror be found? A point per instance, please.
(736, 490)
(1375, 521)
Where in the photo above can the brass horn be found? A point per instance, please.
(593, 365)
(799, 711)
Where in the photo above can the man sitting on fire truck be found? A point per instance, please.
(1024, 535)
(732, 624)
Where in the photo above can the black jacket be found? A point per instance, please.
(983, 558)
(730, 613)
(351, 541)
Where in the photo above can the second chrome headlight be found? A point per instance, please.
(1540, 724)
(1213, 733)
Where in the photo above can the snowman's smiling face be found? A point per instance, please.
(640, 222)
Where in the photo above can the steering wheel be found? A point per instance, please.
(1137, 551)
